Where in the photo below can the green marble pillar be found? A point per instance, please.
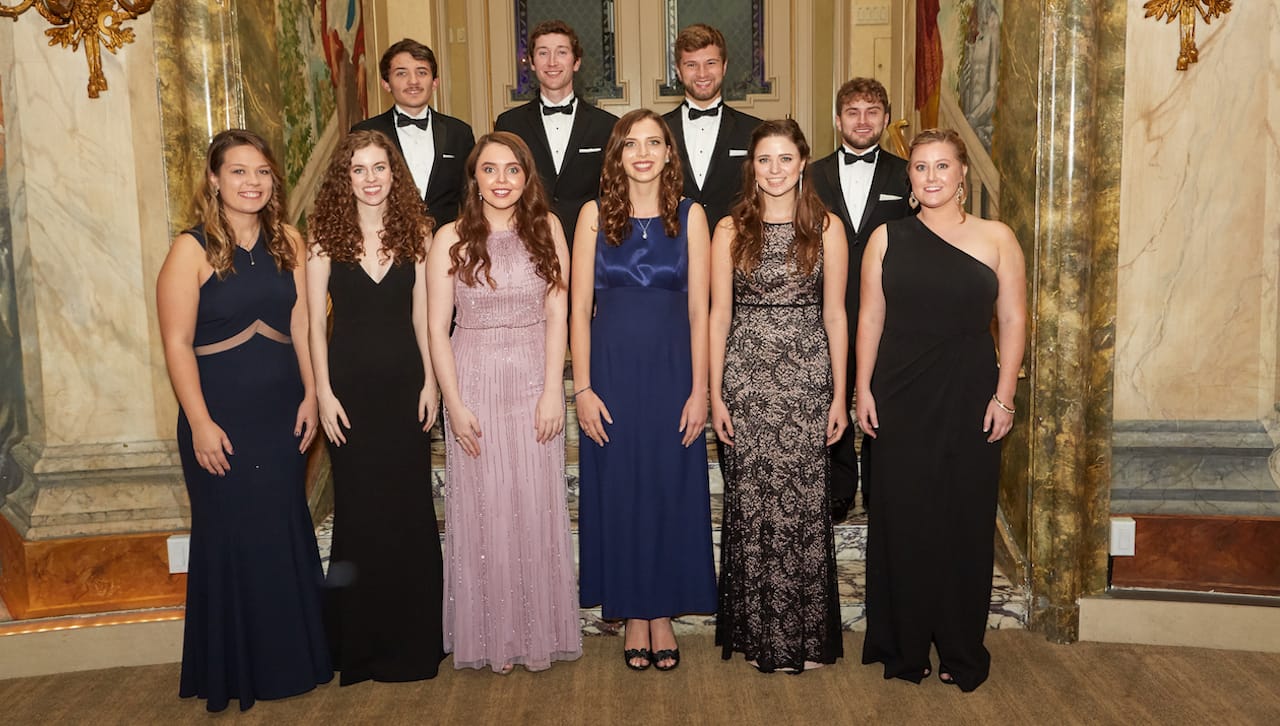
(1057, 147)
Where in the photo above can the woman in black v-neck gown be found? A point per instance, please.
(377, 402)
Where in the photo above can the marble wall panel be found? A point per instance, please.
(1196, 326)
(78, 249)
(12, 404)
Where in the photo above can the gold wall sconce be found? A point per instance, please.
(96, 23)
(1186, 11)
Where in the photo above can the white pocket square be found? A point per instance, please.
(737, 152)
(592, 150)
(448, 156)
(890, 197)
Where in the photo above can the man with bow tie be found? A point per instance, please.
(565, 133)
(865, 186)
(713, 138)
(434, 146)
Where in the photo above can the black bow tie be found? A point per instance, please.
(695, 114)
(422, 123)
(566, 109)
(869, 157)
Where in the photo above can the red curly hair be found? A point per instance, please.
(334, 224)
(469, 256)
(615, 204)
(810, 218)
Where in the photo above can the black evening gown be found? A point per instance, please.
(386, 575)
(779, 605)
(253, 624)
(931, 532)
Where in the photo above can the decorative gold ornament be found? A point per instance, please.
(96, 23)
(1186, 11)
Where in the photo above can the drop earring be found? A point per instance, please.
(960, 195)
(912, 201)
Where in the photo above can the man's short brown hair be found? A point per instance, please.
(866, 89)
(699, 36)
(416, 50)
(555, 27)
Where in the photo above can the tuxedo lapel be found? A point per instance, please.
(879, 180)
(440, 136)
(720, 150)
(541, 148)
(677, 132)
(831, 174)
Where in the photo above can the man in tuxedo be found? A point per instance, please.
(434, 146)
(713, 138)
(865, 186)
(566, 134)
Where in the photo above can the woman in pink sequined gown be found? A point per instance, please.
(510, 597)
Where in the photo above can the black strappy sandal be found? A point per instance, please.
(672, 654)
(633, 653)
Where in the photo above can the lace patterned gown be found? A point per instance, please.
(509, 583)
(778, 600)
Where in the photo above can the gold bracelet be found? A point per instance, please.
(1000, 403)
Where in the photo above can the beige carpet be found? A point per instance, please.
(1032, 682)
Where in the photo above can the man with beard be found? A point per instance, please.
(712, 137)
(865, 186)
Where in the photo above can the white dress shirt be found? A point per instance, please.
(700, 139)
(419, 149)
(855, 182)
(558, 127)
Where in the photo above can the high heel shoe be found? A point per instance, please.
(671, 654)
(634, 653)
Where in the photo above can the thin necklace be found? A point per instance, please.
(644, 227)
(250, 249)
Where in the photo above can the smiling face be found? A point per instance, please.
(935, 172)
(499, 176)
(554, 65)
(244, 181)
(778, 165)
(410, 82)
(702, 73)
(371, 177)
(861, 122)
(645, 152)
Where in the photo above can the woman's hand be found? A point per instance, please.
(466, 430)
(721, 421)
(305, 426)
(997, 421)
(428, 405)
(212, 447)
(837, 420)
(865, 409)
(333, 418)
(548, 415)
(693, 419)
(592, 416)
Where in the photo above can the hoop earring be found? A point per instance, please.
(912, 201)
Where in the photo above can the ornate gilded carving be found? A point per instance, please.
(1185, 11)
(96, 23)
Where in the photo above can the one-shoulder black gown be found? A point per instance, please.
(931, 532)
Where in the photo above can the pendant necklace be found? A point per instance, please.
(644, 227)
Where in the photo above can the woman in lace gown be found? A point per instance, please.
(640, 276)
(779, 346)
(378, 400)
(932, 395)
(232, 306)
(503, 265)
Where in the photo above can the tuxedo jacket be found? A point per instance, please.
(579, 179)
(886, 201)
(724, 172)
(453, 140)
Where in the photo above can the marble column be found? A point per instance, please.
(1057, 148)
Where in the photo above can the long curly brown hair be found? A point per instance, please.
(615, 205)
(334, 222)
(469, 256)
(220, 243)
(810, 217)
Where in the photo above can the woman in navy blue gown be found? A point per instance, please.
(640, 296)
(232, 307)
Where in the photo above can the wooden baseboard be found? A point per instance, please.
(1218, 554)
(68, 576)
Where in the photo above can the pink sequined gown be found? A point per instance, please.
(510, 595)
